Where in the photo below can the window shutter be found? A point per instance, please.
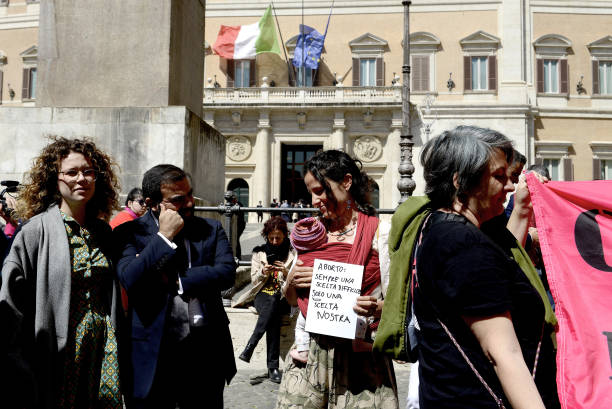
(315, 79)
(252, 73)
(420, 73)
(540, 74)
(492, 73)
(425, 73)
(467, 73)
(1, 83)
(25, 91)
(415, 74)
(380, 72)
(539, 161)
(229, 72)
(595, 77)
(355, 72)
(596, 169)
(568, 173)
(564, 75)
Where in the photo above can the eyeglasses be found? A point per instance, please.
(73, 174)
(141, 202)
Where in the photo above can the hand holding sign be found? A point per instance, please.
(368, 306)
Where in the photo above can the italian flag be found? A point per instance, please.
(245, 42)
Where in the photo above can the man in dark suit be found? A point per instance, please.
(173, 266)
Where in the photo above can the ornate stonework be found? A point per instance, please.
(367, 148)
(238, 148)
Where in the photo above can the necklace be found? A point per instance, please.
(348, 230)
(342, 233)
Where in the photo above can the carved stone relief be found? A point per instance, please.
(367, 148)
(238, 148)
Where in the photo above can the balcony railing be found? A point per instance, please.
(311, 95)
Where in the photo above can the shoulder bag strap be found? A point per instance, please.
(500, 403)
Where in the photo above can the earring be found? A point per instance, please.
(348, 205)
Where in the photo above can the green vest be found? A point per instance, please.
(391, 338)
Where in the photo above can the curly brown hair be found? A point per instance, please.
(40, 188)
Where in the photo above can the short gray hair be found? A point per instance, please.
(465, 151)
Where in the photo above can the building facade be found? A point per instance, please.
(540, 71)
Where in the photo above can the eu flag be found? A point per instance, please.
(308, 48)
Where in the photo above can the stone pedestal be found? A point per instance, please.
(136, 138)
(128, 74)
(117, 53)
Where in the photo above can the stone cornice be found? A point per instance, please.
(12, 22)
(256, 8)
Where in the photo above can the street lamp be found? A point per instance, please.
(426, 105)
(406, 183)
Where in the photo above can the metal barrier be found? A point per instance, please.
(230, 210)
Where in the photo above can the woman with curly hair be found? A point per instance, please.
(341, 373)
(59, 299)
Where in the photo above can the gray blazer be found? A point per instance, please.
(35, 301)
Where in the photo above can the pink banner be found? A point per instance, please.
(574, 221)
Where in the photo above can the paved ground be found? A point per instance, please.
(240, 394)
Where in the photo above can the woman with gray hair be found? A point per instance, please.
(481, 319)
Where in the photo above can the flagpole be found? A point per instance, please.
(328, 18)
(303, 72)
(289, 67)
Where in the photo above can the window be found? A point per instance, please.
(242, 70)
(553, 167)
(29, 84)
(368, 64)
(420, 73)
(423, 47)
(601, 54)
(28, 87)
(606, 170)
(304, 77)
(555, 157)
(479, 73)
(552, 70)
(552, 75)
(602, 160)
(605, 77)
(480, 62)
(367, 72)
(239, 73)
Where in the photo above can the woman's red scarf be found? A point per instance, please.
(360, 252)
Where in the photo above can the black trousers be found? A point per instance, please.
(270, 309)
(187, 376)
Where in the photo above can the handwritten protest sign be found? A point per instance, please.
(333, 291)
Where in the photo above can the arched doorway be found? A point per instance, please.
(240, 187)
(375, 195)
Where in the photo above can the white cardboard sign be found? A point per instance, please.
(333, 292)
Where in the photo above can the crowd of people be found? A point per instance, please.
(99, 317)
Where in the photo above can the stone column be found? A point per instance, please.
(261, 176)
(511, 65)
(338, 140)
